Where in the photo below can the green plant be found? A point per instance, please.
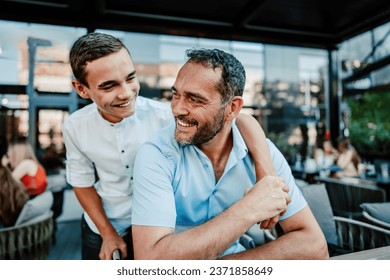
(370, 124)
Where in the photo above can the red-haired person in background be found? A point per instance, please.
(26, 168)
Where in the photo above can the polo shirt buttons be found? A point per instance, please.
(127, 166)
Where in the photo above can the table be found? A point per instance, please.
(299, 172)
(381, 253)
(310, 174)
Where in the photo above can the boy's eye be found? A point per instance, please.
(106, 88)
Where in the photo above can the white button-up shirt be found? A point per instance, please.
(102, 154)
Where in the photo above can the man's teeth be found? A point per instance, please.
(184, 124)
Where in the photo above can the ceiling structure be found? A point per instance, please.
(307, 23)
(320, 24)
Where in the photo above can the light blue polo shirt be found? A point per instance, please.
(174, 184)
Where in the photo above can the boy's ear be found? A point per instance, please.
(234, 107)
(80, 89)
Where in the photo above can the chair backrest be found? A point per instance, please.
(346, 196)
(344, 235)
(35, 207)
(377, 214)
(30, 241)
(318, 201)
(358, 236)
(31, 236)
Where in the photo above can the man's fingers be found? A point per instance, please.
(269, 224)
(288, 199)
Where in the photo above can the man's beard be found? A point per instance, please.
(203, 133)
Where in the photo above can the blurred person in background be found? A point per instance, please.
(25, 167)
(13, 197)
(326, 154)
(348, 159)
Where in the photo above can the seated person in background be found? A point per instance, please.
(26, 168)
(348, 159)
(326, 157)
(190, 196)
(13, 197)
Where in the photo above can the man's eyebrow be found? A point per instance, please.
(111, 82)
(197, 95)
(192, 94)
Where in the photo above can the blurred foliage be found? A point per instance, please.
(370, 124)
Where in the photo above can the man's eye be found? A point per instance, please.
(194, 100)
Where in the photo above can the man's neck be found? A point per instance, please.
(218, 150)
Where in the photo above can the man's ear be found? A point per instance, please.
(80, 89)
(234, 107)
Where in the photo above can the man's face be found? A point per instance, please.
(113, 85)
(196, 104)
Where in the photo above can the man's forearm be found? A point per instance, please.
(292, 246)
(206, 241)
(303, 239)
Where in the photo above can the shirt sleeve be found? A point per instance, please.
(80, 171)
(283, 170)
(153, 196)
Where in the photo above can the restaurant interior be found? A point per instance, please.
(317, 71)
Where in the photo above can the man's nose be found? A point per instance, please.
(179, 107)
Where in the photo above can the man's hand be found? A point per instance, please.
(269, 223)
(110, 244)
(268, 199)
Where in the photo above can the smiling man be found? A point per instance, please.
(190, 196)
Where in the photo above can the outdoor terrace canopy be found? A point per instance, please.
(306, 23)
(319, 24)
